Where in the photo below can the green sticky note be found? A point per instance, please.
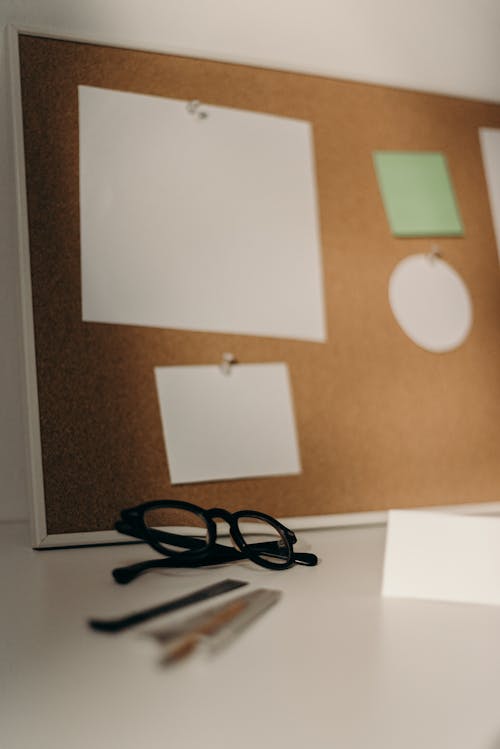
(418, 195)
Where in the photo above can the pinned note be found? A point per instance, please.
(232, 425)
(418, 194)
(198, 217)
(431, 302)
(490, 149)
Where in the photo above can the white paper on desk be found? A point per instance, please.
(490, 149)
(199, 224)
(227, 426)
(442, 556)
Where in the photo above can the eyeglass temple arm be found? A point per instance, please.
(124, 575)
(191, 543)
(303, 557)
(265, 546)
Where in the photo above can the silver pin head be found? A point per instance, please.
(193, 107)
(228, 360)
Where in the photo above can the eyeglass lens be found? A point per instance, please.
(264, 540)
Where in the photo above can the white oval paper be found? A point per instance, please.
(430, 302)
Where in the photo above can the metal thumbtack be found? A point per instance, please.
(193, 107)
(228, 360)
(435, 252)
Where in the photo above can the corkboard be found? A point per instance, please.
(381, 423)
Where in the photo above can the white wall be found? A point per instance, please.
(447, 46)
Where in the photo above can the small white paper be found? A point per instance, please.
(442, 556)
(230, 425)
(198, 224)
(490, 148)
(430, 302)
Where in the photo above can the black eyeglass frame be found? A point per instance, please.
(200, 552)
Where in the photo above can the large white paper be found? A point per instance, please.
(442, 556)
(230, 425)
(430, 302)
(203, 224)
(490, 148)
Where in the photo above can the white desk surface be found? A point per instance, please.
(332, 665)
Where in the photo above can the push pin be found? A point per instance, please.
(193, 107)
(435, 252)
(228, 360)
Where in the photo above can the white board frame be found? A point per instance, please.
(40, 537)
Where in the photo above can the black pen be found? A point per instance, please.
(137, 617)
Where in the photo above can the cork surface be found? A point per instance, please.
(381, 423)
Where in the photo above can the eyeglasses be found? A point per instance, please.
(185, 535)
